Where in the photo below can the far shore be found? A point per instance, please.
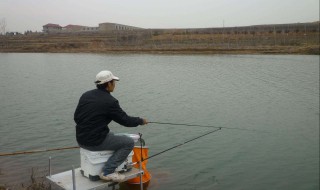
(307, 50)
(201, 41)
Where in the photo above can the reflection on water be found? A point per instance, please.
(127, 186)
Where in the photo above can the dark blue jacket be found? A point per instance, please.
(95, 110)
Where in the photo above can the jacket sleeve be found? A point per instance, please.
(119, 116)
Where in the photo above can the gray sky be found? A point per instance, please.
(22, 15)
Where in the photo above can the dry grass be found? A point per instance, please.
(37, 181)
(174, 42)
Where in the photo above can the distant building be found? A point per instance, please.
(51, 28)
(90, 29)
(72, 28)
(55, 28)
(114, 26)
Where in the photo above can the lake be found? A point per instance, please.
(275, 96)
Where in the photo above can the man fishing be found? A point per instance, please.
(95, 110)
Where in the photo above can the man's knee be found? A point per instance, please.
(130, 143)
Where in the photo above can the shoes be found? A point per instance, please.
(115, 177)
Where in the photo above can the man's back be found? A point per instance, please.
(91, 116)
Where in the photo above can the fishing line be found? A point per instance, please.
(207, 126)
(37, 151)
(155, 122)
(219, 128)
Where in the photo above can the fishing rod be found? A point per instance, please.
(154, 122)
(37, 151)
(193, 125)
(143, 159)
(207, 126)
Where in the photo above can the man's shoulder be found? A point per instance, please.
(100, 94)
(96, 91)
(93, 91)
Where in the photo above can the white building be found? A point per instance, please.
(55, 28)
(114, 26)
(51, 28)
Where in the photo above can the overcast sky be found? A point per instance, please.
(22, 15)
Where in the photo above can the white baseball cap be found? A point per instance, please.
(105, 76)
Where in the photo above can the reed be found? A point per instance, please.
(35, 182)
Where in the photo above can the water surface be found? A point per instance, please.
(276, 95)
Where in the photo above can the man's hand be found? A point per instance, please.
(144, 122)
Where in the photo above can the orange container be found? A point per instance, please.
(146, 177)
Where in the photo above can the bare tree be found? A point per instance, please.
(3, 25)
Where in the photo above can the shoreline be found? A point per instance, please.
(269, 51)
(165, 43)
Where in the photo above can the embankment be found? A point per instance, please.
(166, 41)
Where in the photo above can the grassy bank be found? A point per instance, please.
(150, 41)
